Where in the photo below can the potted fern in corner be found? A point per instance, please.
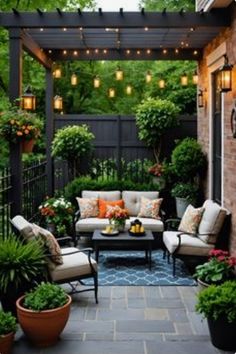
(8, 328)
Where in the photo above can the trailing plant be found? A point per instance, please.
(187, 191)
(154, 117)
(7, 323)
(218, 301)
(45, 296)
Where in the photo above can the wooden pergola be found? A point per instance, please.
(57, 36)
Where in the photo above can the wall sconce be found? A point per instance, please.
(28, 100)
(119, 74)
(57, 72)
(200, 99)
(74, 80)
(184, 79)
(195, 78)
(162, 84)
(129, 90)
(96, 82)
(58, 103)
(148, 77)
(225, 73)
(111, 92)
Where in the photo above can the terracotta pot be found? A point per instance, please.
(27, 146)
(6, 343)
(43, 328)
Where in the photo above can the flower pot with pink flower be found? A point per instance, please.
(117, 217)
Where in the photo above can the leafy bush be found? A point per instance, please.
(187, 191)
(7, 323)
(45, 296)
(72, 142)
(217, 301)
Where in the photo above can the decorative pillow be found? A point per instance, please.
(103, 204)
(50, 242)
(149, 208)
(88, 207)
(191, 219)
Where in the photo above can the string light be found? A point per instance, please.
(111, 92)
(96, 82)
(75, 52)
(162, 84)
(148, 77)
(74, 80)
(195, 78)
(184, 79)
(127, 51)
(57, 73)
(119, 74)
(64, 52)
(58, 103)
(129, 89)
(148, 51)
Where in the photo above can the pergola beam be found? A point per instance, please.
(216, 18)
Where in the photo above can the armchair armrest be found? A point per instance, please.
(172, 224)
(76, 216)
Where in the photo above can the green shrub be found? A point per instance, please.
(7, 323)
(45, 296)
(187, 191)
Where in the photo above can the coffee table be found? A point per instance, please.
(124, 241)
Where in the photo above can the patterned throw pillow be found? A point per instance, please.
(191, 219)
(88, 207)
(149, 208)
(103, 204)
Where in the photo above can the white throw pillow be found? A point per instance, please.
(191, 219)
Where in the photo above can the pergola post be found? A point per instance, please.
(15, 89)
(49, 131)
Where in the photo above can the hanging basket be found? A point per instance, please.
(27, 146)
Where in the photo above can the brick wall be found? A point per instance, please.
(229, 37)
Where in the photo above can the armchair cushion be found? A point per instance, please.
(88, 207)
(150, 208)
(191, 219)
(132, 200)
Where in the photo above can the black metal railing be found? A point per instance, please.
(5, 203)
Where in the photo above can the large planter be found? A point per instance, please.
(202, 285)
(6, 342)
(222, 333)
(27, 146)
(181, 206)
(43, 328)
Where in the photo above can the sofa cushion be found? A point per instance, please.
(106, 195)
(132, 200)
(191, 219)
(189, 245)
(103, 204)
(88, 207)
(150, 208)
(74, 265)
(211, 222)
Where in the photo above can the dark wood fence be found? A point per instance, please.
(116, 137)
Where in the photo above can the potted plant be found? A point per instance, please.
(117, 217)
(43, 313)
(17, 125)
(218, 305)
(217, 270)
(21, 265)
(185, 194)
(8, 328)
(58, 214)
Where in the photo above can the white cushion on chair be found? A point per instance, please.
(20, 223)
(74, 265)
(90, 224)
(190, 245)
(106, 195)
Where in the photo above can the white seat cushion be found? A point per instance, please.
(190, 245)
(20, 223)
(74, 265)
(106, 195)
(132, 200)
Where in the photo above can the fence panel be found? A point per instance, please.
(5, 203)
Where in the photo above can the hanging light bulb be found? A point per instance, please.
(96, 82)
(162, 83)
(184, 79)
(58, 103)
(28, 100)
(195, 78)
(111, 92)
(148, 77)
(129, 90)
(57, 72)
(119, 74)
(74, 79)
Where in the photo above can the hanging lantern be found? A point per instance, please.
(119, 74)
(162, 84)
(148, 77)
(57, 72)
(111, 92)
(58, 103)
(184, 80)
(74, 80)
(225, 73)
(96, 82)
(128, 89)
(195, 78)
(28, 100)
(200, 99)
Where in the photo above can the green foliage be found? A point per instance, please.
(154, 117)
(188, 191)
(188, 159)
(218, 301)
(7, 323)
(20, 263)
(72, 142)
(46, 296)
(171, 5)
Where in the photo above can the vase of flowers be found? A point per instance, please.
(217, 270)
(157, 171)
(117, 217)
(58, 214)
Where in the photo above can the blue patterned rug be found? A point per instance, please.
(130, 268)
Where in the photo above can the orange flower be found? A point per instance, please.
(19, 133)
(26, 131)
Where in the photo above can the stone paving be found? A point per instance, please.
(131, 320)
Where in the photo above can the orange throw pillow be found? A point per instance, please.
(102, 206)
